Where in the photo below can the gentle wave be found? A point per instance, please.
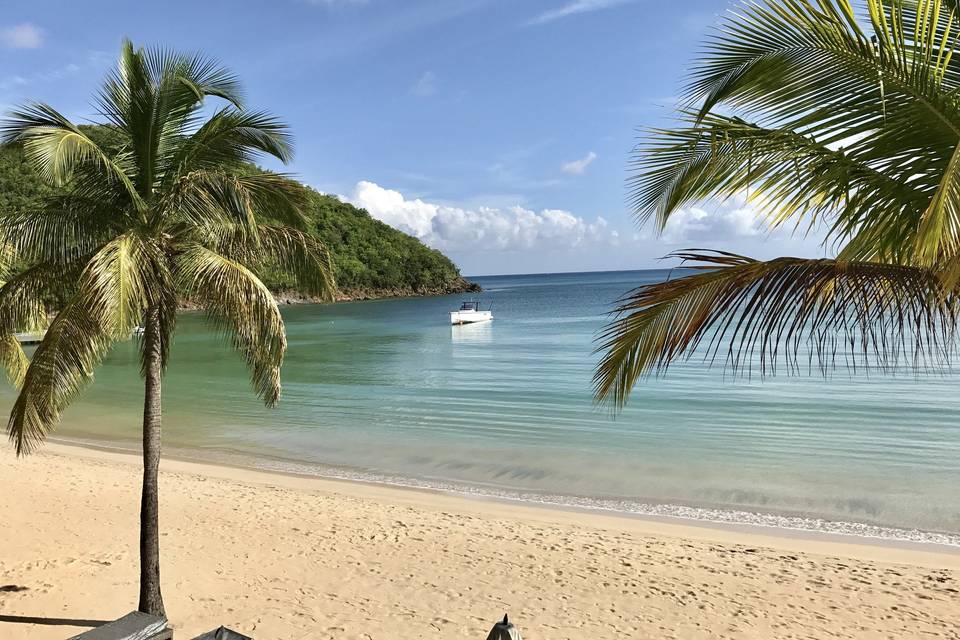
(628, 507)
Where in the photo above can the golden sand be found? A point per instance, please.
(282, 557)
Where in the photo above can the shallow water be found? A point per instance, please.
(388, 390)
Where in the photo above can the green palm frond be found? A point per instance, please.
(158, 206)
(297, 253)
(206, 201)
(769, 314)
(113, 290)
(59, 149)
(22, 309)
(22, 297)
(121, 280)
(301, 255)
(67, 229)
(838, 116)
(61, 367)
(13, 359)
(231, 137)
(241, 306)
(788, 177)
(804, 61)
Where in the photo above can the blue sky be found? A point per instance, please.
(497, 131)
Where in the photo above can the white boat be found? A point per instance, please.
(30, 337)
(470, 312)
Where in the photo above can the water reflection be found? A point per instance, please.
(477, 332)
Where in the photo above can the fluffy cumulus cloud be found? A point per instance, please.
(487, 228)
(694, 224)
(22, 36)
(577, 167)
(740, 226)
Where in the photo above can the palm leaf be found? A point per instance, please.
(13, 359)
(240, 306)
(768, 314)
(59, 149)
(113, 291)
(296, 253)
(61, 367)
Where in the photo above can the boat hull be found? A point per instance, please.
(470, 317)
(30, 337)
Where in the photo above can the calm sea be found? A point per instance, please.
(389, 391)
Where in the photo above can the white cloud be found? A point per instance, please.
(22, 36)
(733, 220)
(575, 7)
(426, 85)
(482, 228)
(577, 167)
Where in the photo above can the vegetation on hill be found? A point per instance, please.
(371, 259)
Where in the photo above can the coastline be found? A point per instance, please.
(701, 517)
(285, 556)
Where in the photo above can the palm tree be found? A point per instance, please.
(166, 208)
(834, 115)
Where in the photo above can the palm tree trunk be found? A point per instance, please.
(150, 599)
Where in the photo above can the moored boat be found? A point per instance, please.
(30, 337)
(469, 312)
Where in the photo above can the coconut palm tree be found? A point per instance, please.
(840, 116)
(158, 206)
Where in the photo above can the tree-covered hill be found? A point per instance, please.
(371, 259)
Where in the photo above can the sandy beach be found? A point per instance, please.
(286, 557)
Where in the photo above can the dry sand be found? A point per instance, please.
(281, 557)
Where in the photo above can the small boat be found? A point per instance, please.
(30, 337)
(470, 312)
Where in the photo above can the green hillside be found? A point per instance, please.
(371, 259)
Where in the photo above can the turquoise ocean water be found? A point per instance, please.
(389, 391)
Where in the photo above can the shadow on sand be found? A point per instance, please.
(63, 622)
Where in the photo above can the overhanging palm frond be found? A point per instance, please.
(208, 201)
(296, 253)
(22, 295)
(241, 306)
(797, 59)
(938, 235)
(121, 280)
(301, 255)
(63, 231)
(22, 308)
(112, 291)
(61, 367)
(58, 148)
(831, 114)
(231, 137)
(14, 359)
(788, 176)
(770, 314)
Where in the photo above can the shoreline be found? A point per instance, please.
(806, 539)
(288, 557)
